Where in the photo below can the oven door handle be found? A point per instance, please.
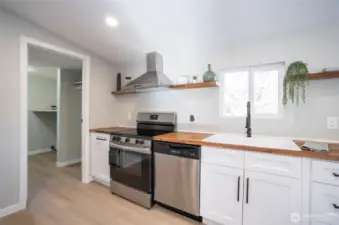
(130, 148)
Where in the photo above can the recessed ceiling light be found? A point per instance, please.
(112, 22)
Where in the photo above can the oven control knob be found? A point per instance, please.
(127, 140)
(142, 142)
(114, 138)
(137, 142)
(118, 138)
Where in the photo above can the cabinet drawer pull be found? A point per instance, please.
(336, 174)
(238, 194)
(336, 206)
(101, 139)
(247, 187)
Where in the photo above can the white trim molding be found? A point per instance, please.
(9, 210)
(25, 42)
(68, 163)
(102, 180)
(39, 151)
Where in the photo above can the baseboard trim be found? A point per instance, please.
(39, 151)
(68, 163)
(102, 180)
(10, 210)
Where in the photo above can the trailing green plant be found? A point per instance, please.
(295, 81)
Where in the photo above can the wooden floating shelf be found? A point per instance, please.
(196, 85)
(324, 75)
(177, 87)
(312, 76)
(122, 92)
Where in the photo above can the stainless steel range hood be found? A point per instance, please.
(153, 78)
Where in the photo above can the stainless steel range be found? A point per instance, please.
(131, 157)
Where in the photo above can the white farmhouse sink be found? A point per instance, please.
(255, 141)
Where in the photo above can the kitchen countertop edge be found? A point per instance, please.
(193, 139)
(109, 130)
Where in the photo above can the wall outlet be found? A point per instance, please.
(332, 123)
(192, 118)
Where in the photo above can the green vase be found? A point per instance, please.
(209, 75)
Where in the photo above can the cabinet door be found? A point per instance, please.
(271, 199)
(221, 194)
(325, 204)
(99, 157)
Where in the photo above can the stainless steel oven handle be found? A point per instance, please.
(130, 148)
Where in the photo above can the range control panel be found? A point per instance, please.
(130, 141)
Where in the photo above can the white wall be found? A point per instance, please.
(318, 47)
(42, 92)
(101, 111)
(69, 130)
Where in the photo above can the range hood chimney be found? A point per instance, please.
(153, 78)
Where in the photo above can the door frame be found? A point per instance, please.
(25, 42)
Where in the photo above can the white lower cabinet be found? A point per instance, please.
(236, 196)
(271, 199)
(324, 204)
(99, 157)
(221, 194)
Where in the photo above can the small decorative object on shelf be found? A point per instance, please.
(296, 80)
(209, 75)
(127, 80)
(183, 80)
(119, 82)
(195, 79)
(331, 69)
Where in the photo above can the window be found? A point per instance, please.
(262, 85)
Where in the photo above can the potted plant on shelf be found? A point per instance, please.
(295, 81)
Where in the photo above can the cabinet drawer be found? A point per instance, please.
(223, 157)
(325, 203)
(101, 136)
(273, 164)
(325, 172)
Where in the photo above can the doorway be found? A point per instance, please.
(72, 83)
(69, 103)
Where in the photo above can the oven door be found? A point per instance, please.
(131, 166)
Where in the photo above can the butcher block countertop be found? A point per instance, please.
(206, 139)
(109, 130)
(200, 139)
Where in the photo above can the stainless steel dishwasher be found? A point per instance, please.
(177, 176)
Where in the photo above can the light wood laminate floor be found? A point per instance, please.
(56, 196)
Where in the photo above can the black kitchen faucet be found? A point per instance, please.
(248, 120)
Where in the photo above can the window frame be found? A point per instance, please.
(280, 66)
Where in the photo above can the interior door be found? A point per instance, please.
(221, 194)
(271, 199)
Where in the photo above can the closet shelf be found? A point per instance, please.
(44, 111)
